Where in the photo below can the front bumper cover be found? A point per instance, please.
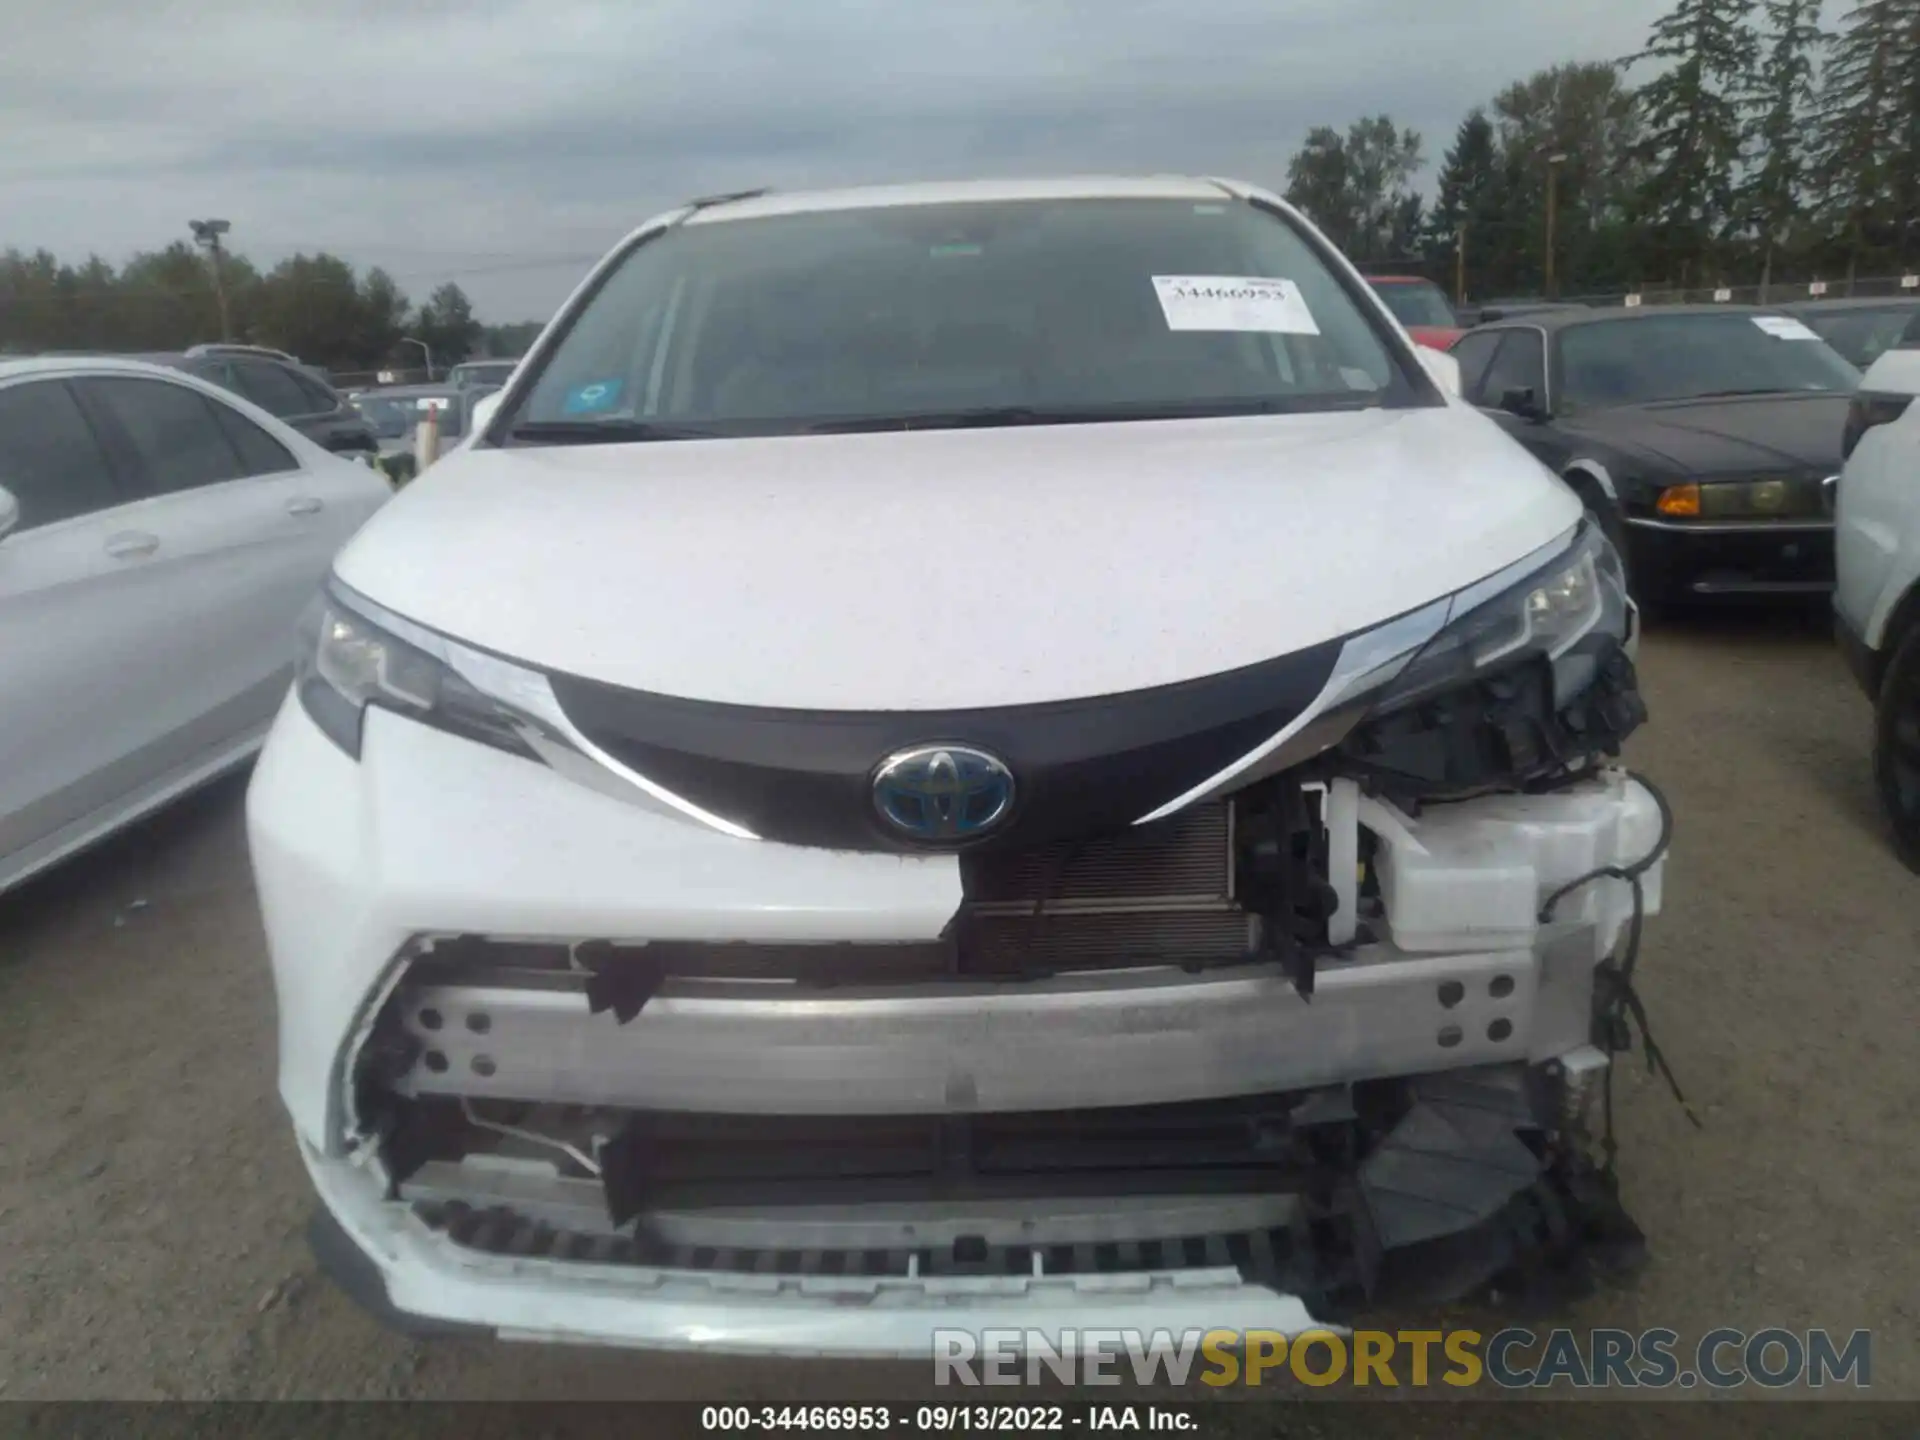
(1863, 662)
(1674, 560)
(428, 836)
(427, 1283)
(1468, 1187)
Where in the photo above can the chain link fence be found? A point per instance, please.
(1778, 292)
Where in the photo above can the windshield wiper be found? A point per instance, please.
(990, 416)
(602, 432)
(1759, 390)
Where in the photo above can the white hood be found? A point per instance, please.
(948, 569)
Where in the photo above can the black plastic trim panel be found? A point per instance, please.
(1080, 767)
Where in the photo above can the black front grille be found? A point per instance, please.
(1081, 767)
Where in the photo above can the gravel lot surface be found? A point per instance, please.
(152, 1208)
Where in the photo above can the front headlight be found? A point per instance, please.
(355, 655)
(1566, 611)
(348, 661)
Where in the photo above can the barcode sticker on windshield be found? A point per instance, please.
(1233, 302)
(1784, 327)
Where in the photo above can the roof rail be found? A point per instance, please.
(707, 202)
(222, 348)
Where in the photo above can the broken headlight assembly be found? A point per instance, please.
(1522, 678)
(1567, 612)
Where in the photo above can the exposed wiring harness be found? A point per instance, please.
(532, 1137)
(1620, 1001)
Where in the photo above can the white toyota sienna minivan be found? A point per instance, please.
(956, 756)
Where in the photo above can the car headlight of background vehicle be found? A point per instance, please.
(1762, 498)
(349, 661)
(1568, 611)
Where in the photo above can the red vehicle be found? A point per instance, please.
(1421, 306)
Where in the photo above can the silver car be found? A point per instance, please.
(159, 539)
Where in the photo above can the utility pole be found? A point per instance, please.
(409, 340)
(1554, 162)
(1460, 265)
(207, 233)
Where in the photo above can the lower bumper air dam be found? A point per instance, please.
(1481, 1180)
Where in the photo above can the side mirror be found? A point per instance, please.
(9, 513)
(1520, 401)
(1441, 367)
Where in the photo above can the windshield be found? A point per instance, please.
(482, 372)
(395, 416)
(388, 418)
(981, 313)
(1680, 357)
(1862, 335)
(1417, 302)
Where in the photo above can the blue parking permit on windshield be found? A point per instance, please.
(593, 396)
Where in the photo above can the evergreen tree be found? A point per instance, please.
(1859, 125)
(1691, 145)
(1467, 203)
(1900, 164)
(1779, 102)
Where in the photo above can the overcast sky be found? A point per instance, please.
(506, 144)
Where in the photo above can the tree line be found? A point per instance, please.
(314, 306)
(1758, 145)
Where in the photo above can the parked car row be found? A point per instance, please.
(1433, 320)
(1733, 451)
(1859, 328)
(1420, 306)
(1703, 438)
(299, 395)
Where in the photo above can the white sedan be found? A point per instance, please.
(159, 539)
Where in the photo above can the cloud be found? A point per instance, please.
(507, 144)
